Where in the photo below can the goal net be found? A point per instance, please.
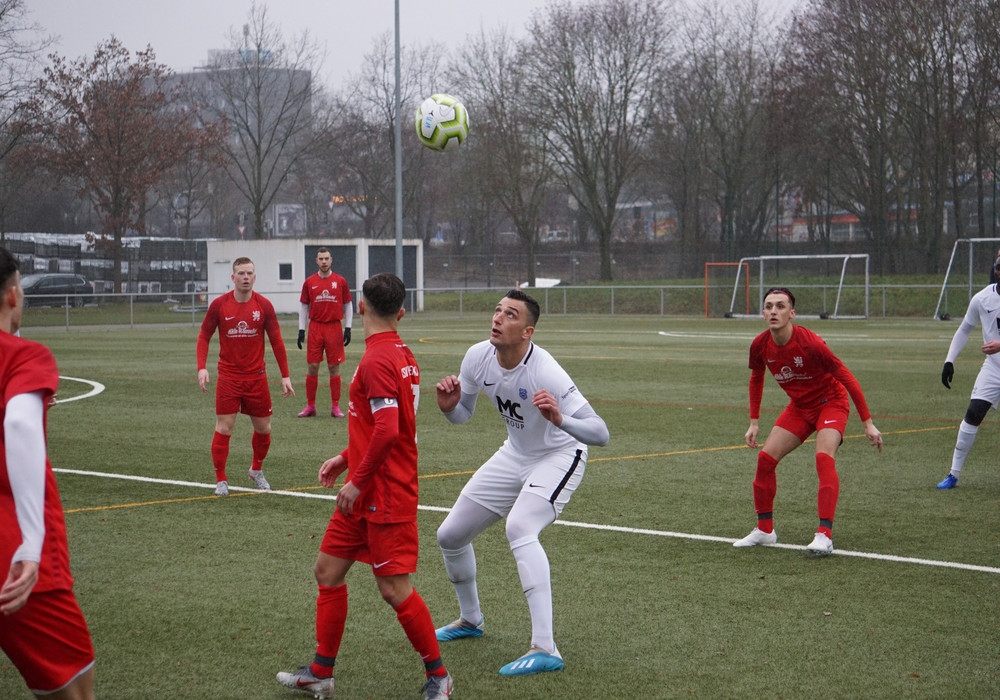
(719, 278)
(836, 285)
(968, 272)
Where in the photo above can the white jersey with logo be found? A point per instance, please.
(984, 311)
(510, 392)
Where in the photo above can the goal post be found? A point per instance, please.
(813, 275)
(712, 290)
(973, 246)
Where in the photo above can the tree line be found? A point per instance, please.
(734, 119)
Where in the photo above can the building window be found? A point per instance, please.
(284, 272)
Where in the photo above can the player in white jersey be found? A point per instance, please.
(528, 481)
(984, 310)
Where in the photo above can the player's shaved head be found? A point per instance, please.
(8, 268)
(384, 294)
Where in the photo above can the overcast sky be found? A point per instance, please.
(182, 32)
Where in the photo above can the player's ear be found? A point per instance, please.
(528, 332)
(400, 314)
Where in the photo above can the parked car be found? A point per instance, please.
(54, 289)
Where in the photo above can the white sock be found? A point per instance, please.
(966, 436)
(461, 567)
(533, 568)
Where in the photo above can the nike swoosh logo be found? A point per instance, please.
(380, 565)
(827, 422)
(535, 486)
(770, 361)
(230, 318)
(489, 383)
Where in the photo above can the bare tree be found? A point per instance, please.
(111, 124)
(264, 89)
(594, 69)
(515, 161)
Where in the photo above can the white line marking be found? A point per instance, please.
(97, 389)
(567, 523)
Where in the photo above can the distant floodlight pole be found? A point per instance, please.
(398, 137)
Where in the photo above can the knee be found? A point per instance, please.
(450, 538)
(976, 412)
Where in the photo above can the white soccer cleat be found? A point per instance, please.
(821, 546)
(222, 488)
(257, 477)
(756, 537)
(304, 680)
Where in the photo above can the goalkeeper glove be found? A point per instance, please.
(302, 337)
(347, 337)
(947, 374)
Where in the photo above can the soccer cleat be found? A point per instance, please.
(304, 680)
(336, 412)
(535, 661)
(756, 537)
(438, 687)
(308, 412)
(222, 488)
(460, 629)
(949, 482)
(257, 477)
(821, 546)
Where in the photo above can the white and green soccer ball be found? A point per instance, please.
(442, 123)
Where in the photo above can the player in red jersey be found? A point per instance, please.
(818, 384)
(242, 317)
(42, 629)
(375, 521)
(325, 302)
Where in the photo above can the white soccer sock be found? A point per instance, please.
(966, 436)
(533, 568)
(461, 567)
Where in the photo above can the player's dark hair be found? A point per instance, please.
(324, 249)
(534, 310)
(8, 266)
(779, 290)
(384, 294)
(241, 261)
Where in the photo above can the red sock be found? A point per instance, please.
(311, 384)
(261, 443)
(829, 489)
(335, 389)
(765, 486)
(220, 453)
(415, 618)
(331, 616)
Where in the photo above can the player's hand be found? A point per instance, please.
(947, 374)
(874, 436)
(548, 406)
(991, 348)
(203, 379)
(449, 393)
(751, 434)
(346, 497)
(20, 581)
(331, 469)
(347, 337)
(286, 387)
(301, 338)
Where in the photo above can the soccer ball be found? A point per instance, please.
(442, 123)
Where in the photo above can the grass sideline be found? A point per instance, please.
(190, 596)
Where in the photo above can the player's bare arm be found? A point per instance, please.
(20, 581)
(752, 431)
(548, 406)
(449, 393)
(203, 379)
(873, 434)
(331, 469)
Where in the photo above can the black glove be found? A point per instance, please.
(947, 374)
(347, 337)
(302, 337)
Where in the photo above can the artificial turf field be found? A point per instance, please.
(192, 596)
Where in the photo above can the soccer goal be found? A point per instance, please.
(718, 277)
(836, 285)
(981, 254)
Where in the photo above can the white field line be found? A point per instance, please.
(96, 389)
(567, 523)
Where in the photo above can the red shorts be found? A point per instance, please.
(328, 338)
(802, 424)
(247, 394)
(48, 641)
(390, 548)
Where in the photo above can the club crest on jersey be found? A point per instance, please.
(798, 361)
(523, 393)
(256, 315)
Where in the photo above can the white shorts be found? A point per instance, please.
(497, 484)
(987, 386)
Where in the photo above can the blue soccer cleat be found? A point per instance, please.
(460, 629)
(535, 661)
(949, 482)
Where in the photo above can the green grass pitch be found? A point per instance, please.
(192, 596)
